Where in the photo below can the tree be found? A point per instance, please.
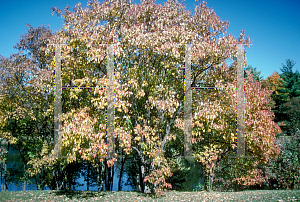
(273, 82)
(291, 113)
(147, 107)
(149, 91)
(289, 89)
(291, 78)
(25, 98)
(215, 139)
(34, 42)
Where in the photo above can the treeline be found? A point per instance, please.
(149, 104)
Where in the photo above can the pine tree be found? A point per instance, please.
(289, 89)
(292, 83)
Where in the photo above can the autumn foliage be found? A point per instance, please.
(149, 51)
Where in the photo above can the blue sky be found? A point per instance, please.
(273, 25)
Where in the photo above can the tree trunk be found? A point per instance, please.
(121, 173)
(36, 182)
(112, 177)
(1, 171)
(57, 180)
(211, 180)
(59, 184)
(103, 176)
(42, 177)
(88, 177)
(4, 176)
(210, 183)
(62, 182)
(53, 182)
(25, 181)
(98, 178)
(141, 174)
(106, 174)
(70, 182)
(109, 172)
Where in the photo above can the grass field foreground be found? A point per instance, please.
(256, 195)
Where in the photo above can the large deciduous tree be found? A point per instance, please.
(149, 58)
(149, 55)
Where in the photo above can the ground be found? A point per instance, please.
(256, 195)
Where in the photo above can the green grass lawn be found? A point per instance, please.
(257, 195)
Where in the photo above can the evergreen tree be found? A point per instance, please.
(292, 83)
(289, 89)
(291, 112)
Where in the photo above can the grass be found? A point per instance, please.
(256, 195)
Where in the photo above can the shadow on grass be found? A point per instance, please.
(149, 196)
(87, 195)
(78, 194)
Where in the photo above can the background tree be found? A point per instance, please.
(212, 148)
(291, 112)
(291, 79)
(273, 82)
(18, 106)
(289, 89)
(26, 97)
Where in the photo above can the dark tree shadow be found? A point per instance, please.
(79, 194)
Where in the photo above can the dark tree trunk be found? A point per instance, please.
(1, 177)
(70, 182)
(36, 182)
(141, 174)
(98, 178)
(57, 180)
(1, 168)
(5, 181)
(121, 173)
(4, 186)
(42, 179)
(88, 177)
(53, 180)
(108, 177)
(57, 175)
(112, 177)
(25, 180)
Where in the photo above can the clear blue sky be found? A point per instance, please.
(273, 25)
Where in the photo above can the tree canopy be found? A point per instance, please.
(149, 55)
